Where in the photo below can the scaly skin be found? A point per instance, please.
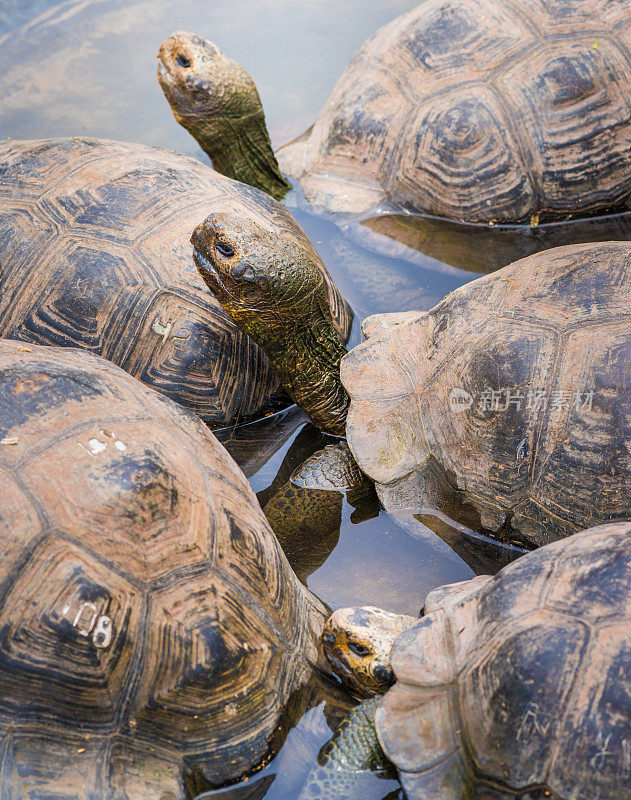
(273, 290)
(216, 100)
(357, 642)
(346, 761)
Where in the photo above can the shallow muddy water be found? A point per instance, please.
(87, 67)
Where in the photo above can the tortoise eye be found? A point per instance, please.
(224, 249)
(183, 61)
(359, 649)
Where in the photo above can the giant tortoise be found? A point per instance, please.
(95, 253)
(154, 638)
(515, 386)
(480, 110)
(511, 686)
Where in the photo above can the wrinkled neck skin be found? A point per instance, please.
(240, 148)
(306, 355)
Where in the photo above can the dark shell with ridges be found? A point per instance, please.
(150, 626)
(520, 682)
(95, 253)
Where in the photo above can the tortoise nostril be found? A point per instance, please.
(384, 674)
(183, 61)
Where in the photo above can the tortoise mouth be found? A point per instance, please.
(164, 73)
(344, 672)
(211, 276)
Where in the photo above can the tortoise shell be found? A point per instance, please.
(152, 629)
(95, 253)
(516, 385)
(520, 679)
(479, 110)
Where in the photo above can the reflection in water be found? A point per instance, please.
(371, 281)
(305, 511)
(360, 555)
(309, 718)
(253, 444)
(89, 66)
(479, 248)
(284, 777)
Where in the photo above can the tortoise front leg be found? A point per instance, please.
(348, 761)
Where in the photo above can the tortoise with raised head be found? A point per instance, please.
(515, 386)
(509, 686)
(153, 632)
(216, 100)
(469, 109)
(95, 253)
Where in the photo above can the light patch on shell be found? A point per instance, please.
(87, 621)
(95, 446)
(161, 329)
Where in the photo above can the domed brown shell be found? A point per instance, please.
(95, 253)
(520, 681)
(517, 385)
(151, 627)
(479, 110)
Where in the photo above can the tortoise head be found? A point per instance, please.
(216, 100)
(198, 79)
(273, 288)
(358, 642)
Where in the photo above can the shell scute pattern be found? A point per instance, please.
(556, 324)
(591, 726)
(569, 111)
(95, 252)
(441, 29)
(603, 599)
(162, 535)
(461, 143)
(534, 667)
(39, 640)
(561, 16)
(505, 112)
(529, 679)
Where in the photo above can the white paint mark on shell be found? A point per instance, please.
(85, 618)
(96, 446)
(162, 330)
(102, 636)
(9, 440)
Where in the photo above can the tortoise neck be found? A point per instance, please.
(240, 148)
(308, 366)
